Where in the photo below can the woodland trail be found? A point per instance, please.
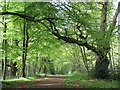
(44, 82)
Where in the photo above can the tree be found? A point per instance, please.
(102, 42)
(5, 43)
(76, 26)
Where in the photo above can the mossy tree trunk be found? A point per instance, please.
(101, 67)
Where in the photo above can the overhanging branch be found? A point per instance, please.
(28, 17)
(80, 43)
(67, 39)
(12, 13)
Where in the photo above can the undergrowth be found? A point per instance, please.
(81, 80)
(8, 83)
(13, 81)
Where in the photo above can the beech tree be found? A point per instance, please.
(86, 24)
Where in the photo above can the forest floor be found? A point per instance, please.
(44, 82)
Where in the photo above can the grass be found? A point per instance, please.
(54, 74)
(13, 81)
(81, 80)
(10, 82)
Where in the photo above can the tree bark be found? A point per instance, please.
(14, 64)
(5, 52)
(2, 65)
(101, 67)
(14, 68)
(111, 62)
(5, 68)
(84, 58)
(102, 62)
(23, 56)
(25, 47)
(4, 43)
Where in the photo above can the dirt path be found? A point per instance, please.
(44, 82)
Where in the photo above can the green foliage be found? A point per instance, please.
(115, 75)
(83, 81)
(66, 57)
(14, 81)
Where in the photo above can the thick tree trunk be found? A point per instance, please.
(101, 67)
(14, 64)
(102, 62)
(14, 69)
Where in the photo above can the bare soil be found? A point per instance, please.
(44, 82)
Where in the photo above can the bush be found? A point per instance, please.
(115, 75)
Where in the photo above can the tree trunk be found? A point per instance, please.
(14, 64)
(84, 58)
(2, 65)
(14, 69)
(102, 62)
(29, 73)
(52, 69)
(5, 51)
(4, 42)
(5, 68)
(45, 70)
(23, 66)
(112, 54)
(34, 67)
(25, 47)
(101, 67)
(111, 62)
(23, 56)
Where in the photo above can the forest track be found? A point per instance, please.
(44, 82)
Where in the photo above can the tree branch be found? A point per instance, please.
(80, 43)
(9, 65)
(72, 40)
(67, 39)
(12, 13)
(28, 17)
